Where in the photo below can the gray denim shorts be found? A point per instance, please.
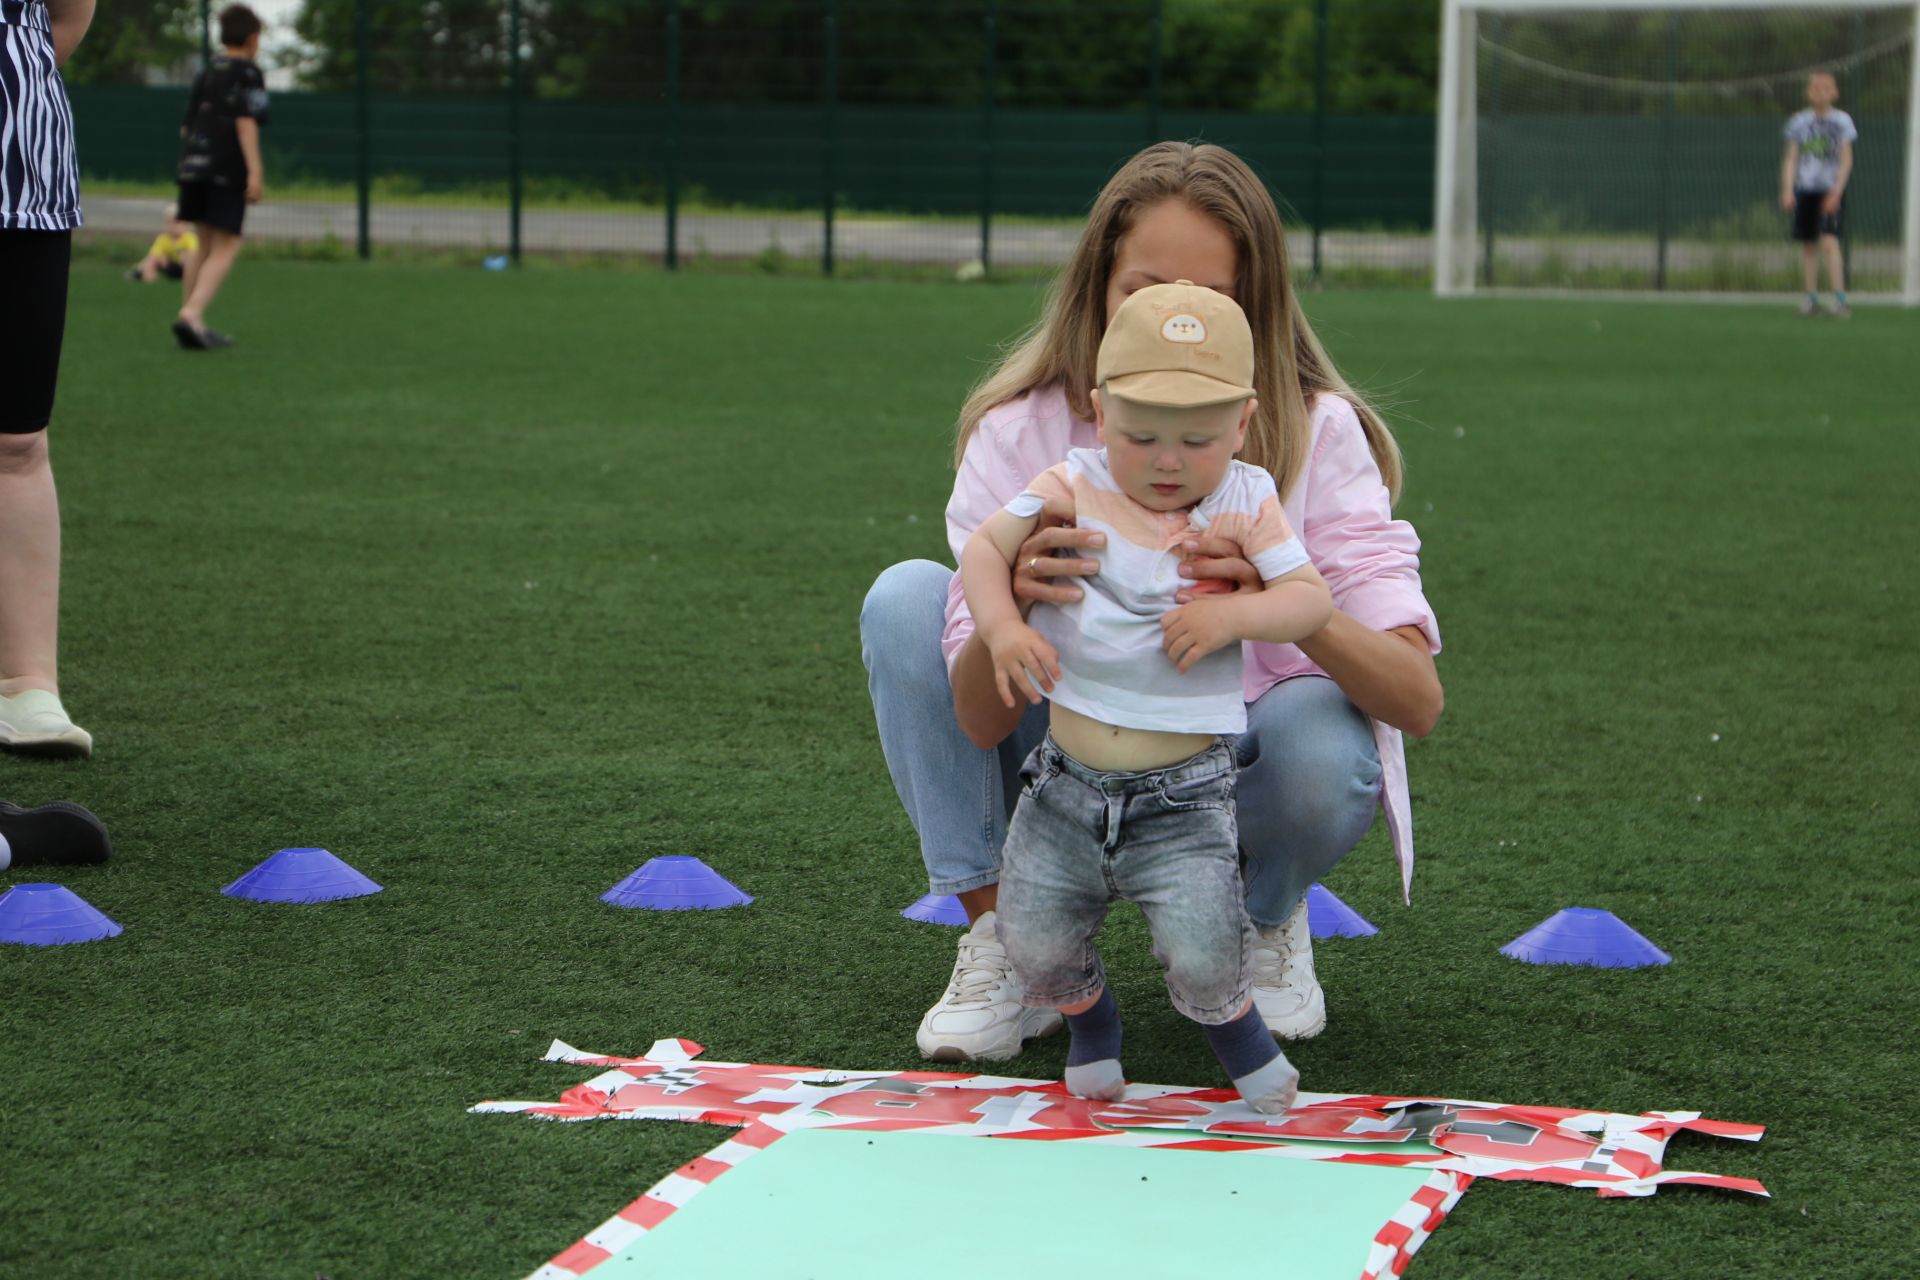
(1165, 839)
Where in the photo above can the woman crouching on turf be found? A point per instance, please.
(1323, 746)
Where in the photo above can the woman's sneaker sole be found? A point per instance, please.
(1303, 1023)
(997, 1045)
(76, 744)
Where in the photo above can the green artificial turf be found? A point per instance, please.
(497, 585)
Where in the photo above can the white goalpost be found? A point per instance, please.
(1635, 145)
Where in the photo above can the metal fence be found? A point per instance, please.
(812, 134)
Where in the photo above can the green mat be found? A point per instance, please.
(847, 1205)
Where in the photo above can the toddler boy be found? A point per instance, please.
(1131, 794)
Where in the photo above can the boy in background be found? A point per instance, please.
(220, 169)
(168, 254)
(1814, 170)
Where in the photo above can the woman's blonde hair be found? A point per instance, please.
(1290, 365)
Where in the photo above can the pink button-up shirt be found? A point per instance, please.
(1339, 506)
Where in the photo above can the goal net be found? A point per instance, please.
(1633, 145)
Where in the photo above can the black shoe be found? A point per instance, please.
(59, 834)
(215, 339)
(134, 274)
(189, 338)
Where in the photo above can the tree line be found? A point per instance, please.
(1245, 55)
(1380, 56)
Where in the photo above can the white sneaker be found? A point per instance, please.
(1285, 991)
(980, 1018)
(34, 722)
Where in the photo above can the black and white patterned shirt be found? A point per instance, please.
(39, 177)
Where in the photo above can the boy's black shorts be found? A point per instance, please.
(1809, 222)
(33, 320)
(222, 207)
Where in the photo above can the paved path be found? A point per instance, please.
(954, 242)
(548, 230)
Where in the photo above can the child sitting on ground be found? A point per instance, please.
(168, 254)
(1131, 794)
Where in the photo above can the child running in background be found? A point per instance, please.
(168, 254)
(1131, 794)
(1814, 171)
(220, 169)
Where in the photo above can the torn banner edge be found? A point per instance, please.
(1393, 1246)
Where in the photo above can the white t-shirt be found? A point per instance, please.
(1112, 665)
(1820, 138)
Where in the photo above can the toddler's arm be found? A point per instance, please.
(1022, 660)
(1292, 607)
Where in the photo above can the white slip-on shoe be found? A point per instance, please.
(980, 1018)
(1285, 991)
(34, 723)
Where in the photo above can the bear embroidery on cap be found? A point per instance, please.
(1182, 327)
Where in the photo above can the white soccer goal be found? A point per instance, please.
(1635, 144)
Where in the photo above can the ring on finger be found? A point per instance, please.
(1032, 564)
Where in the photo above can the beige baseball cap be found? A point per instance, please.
(1178, 345)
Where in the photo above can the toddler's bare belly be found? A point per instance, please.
(1112, 749)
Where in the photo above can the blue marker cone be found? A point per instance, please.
(301, 875)
(1585, 935)
(676, 883)
(938, 908)
(46, 915)
(1328, 917)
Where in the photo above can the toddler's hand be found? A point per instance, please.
(1022, 661)
(1195, 630)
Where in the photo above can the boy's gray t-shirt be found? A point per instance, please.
(1820, 138)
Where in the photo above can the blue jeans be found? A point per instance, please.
(1162, 838)
(1309, 772)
